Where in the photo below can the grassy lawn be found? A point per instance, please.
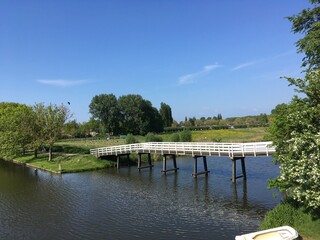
(68, 162)
(83, 145)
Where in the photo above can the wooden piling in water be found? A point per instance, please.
(140, 161)
(234, 169)
(119, 158)
(164, 166)
(205, 166)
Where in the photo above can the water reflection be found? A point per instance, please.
(244, 194)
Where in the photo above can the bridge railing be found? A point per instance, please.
(189, 148)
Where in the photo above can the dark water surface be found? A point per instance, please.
(126, 204)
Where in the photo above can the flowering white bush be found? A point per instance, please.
(296, 134)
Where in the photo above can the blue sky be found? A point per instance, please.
(200, 57)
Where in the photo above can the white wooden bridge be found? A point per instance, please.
(235, 151)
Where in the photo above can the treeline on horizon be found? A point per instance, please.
(94, 127)
(131, 114)
(128, 114)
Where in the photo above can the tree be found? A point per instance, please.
(91, 128)
(139, 117)
(192, 121)
(166, 114)
(308, 22)
(295, 130)
(51, 119)
(16, 128)
(71, 129)
(105, 108)
(296, 134)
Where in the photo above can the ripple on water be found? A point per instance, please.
(126, 204)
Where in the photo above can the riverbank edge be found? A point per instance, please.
(34, 167)
(72, 169)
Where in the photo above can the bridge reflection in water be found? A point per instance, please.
(235, 151)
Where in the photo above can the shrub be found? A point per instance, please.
(186, 136)
(175, 137)
(281, 215)
(130, 139)
(151, 137)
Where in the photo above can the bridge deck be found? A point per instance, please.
(189, 149)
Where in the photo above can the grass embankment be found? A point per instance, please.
(73, 155)
(68, 163)
(305, 222)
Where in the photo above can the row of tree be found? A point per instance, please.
(258, 120)
(30, 127)
(129, 114)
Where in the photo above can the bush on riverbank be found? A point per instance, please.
(288, 213)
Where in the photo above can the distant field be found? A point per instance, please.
(223, 135)
(226, 135)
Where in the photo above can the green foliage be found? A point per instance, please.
(282, 215)
(151, 137)
(130, 139)
(50, 120)
(308, 22)
(166, 114)
(17, 130)
(297, 217)
(186, 136)
(105, 107)
(296, 134)
(139, 117)
(296, 127)
(175, 137)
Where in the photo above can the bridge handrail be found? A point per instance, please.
(189, 148)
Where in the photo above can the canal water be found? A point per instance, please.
(127, 204)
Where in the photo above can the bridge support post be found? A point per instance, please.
(164, 167)
(140, 161)
(234, 169)
(118, 159)
(205, 166)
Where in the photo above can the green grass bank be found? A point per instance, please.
(64, 163)
(291, 214)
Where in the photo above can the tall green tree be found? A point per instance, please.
(296, 126)
(139, 117)
(166, 114)
(105, 108)
(16, 128)
(307, 22)
(51, 120)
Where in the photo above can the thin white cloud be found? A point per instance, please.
(192, 77)
(62, 82)
(247, 64)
